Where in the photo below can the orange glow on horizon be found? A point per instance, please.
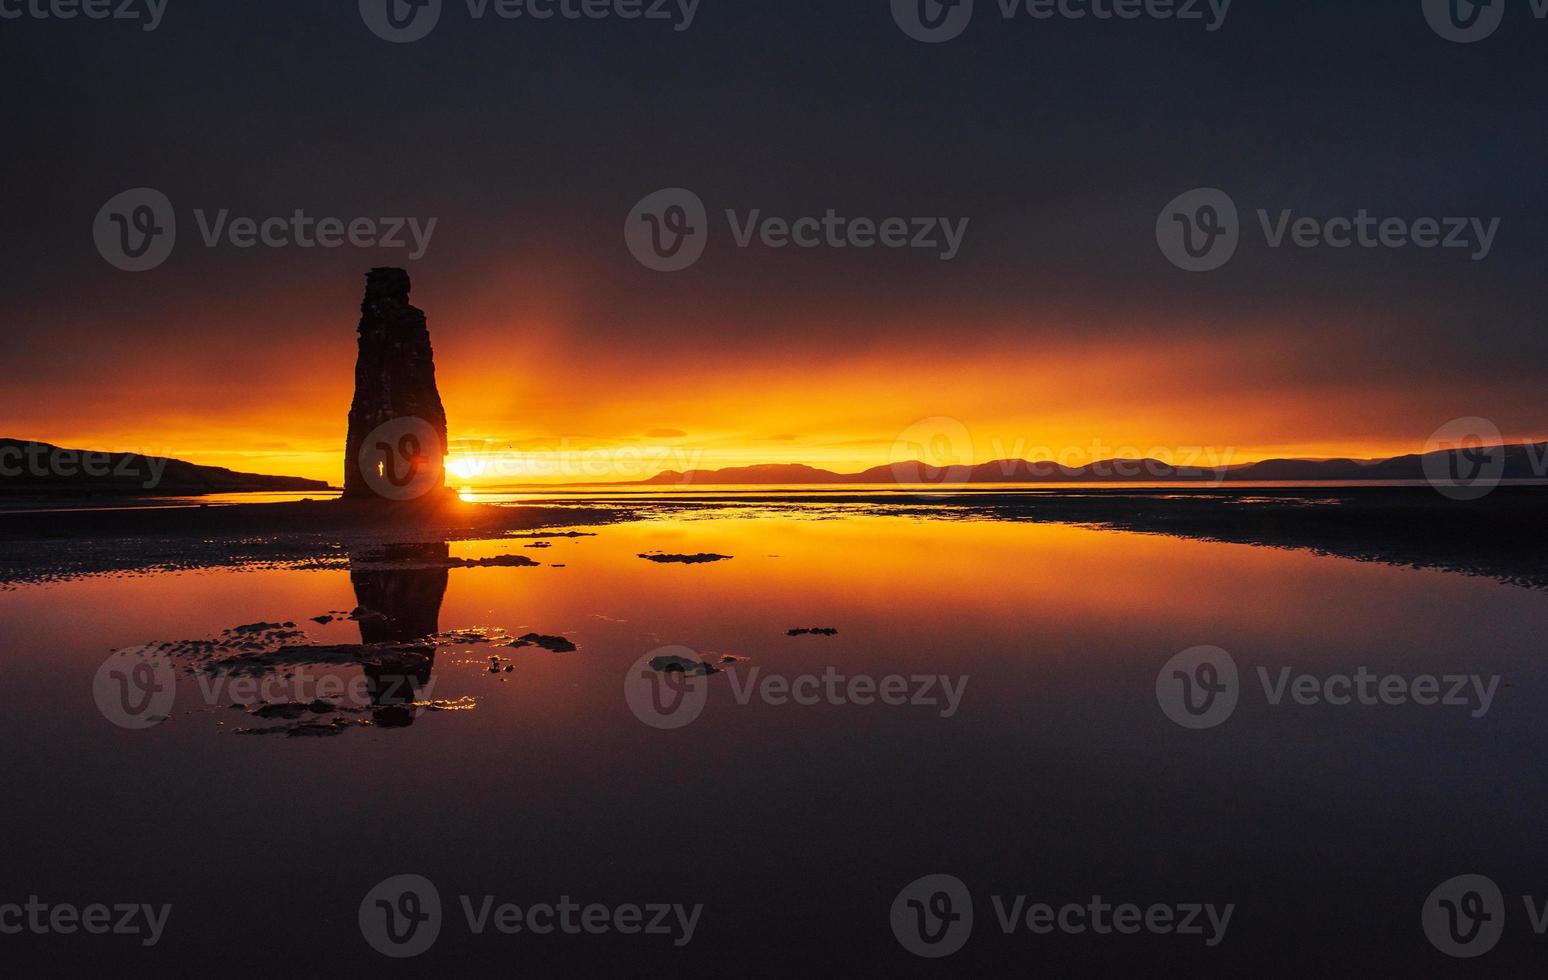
(536, 405)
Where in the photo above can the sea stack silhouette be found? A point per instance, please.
(396, 448)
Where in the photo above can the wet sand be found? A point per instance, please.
(59, 545)
(1503, 535)
(1500, 536)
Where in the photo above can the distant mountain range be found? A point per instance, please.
(31, 467)
(1520, 462)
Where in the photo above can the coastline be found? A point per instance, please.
(1500, 536)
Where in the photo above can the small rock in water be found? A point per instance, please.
(292, 709)
(496, 561)
(556, 644)
(307, 729)
(681, 665)
(698, 559)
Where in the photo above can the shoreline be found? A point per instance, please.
(1501, 535)
(60, 545)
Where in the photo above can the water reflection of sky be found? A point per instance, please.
(1058, 777)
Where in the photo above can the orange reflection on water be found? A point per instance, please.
(907, 590)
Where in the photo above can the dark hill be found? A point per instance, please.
(30, 467)
(1528, 462)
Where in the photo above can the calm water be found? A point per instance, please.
(795, 826)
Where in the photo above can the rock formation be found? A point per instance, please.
(396, 403)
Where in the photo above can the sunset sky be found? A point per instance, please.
(1058, 329)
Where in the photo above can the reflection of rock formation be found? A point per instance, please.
(394, 374)
(400, 606)
(407, 600)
